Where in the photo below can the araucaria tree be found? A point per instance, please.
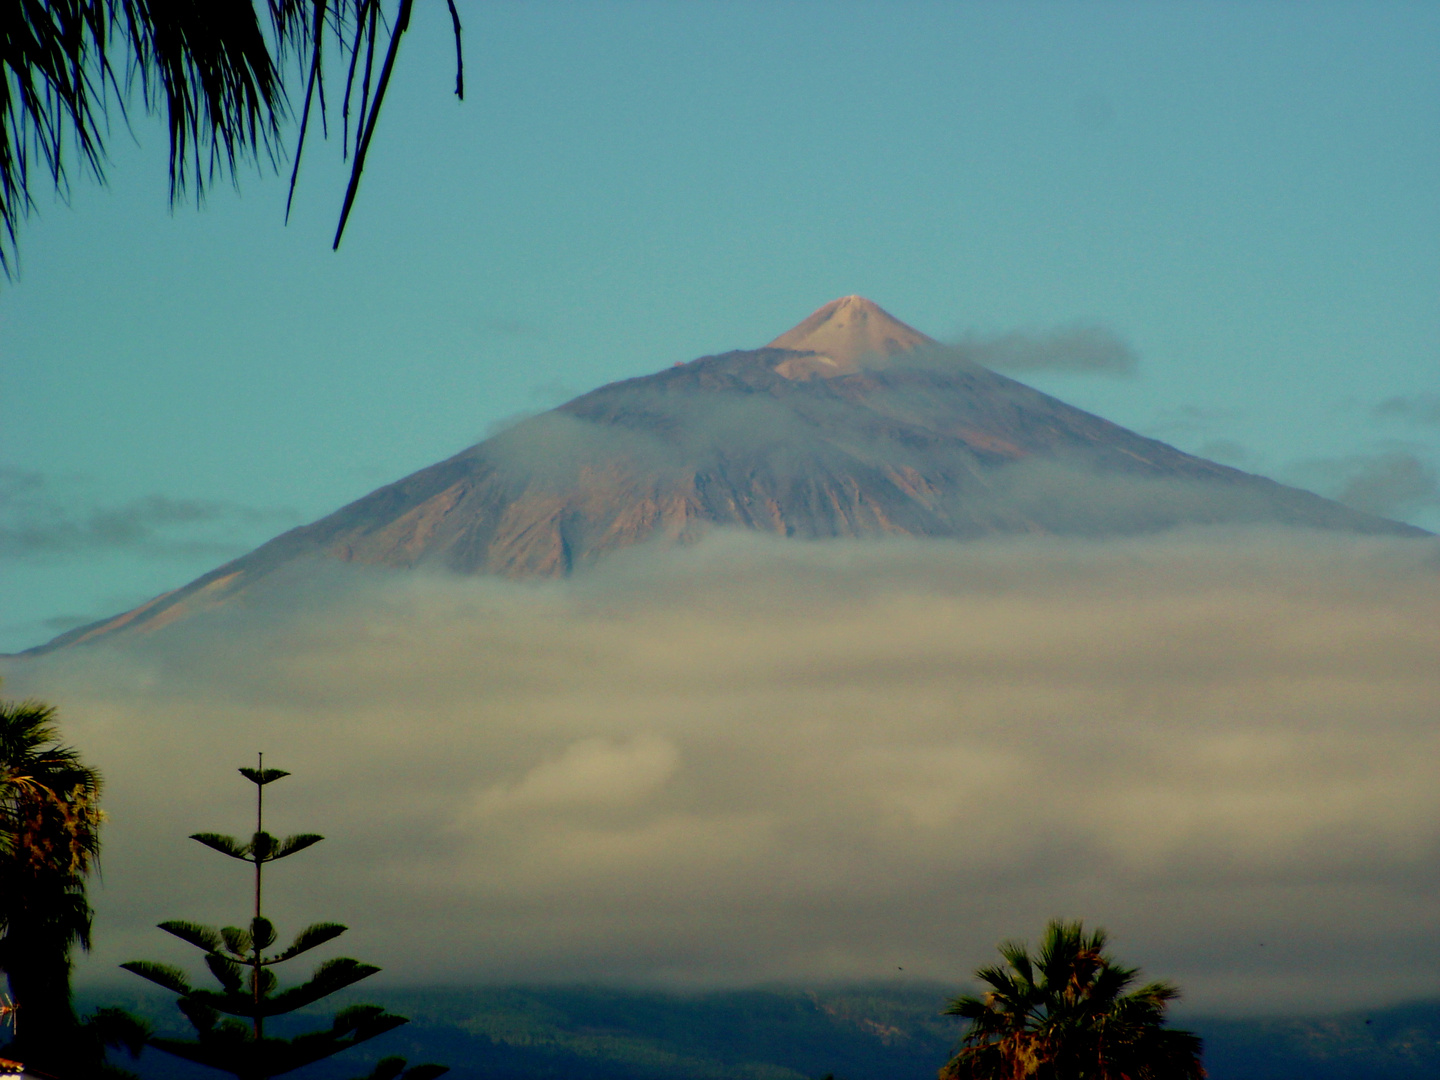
(1065, 1014)
(239, 959)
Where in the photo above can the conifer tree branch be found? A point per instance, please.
(243, 1049)
(202, 937)
(226, 845)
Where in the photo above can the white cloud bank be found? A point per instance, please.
(760, 760)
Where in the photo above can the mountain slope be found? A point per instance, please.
(850, 425)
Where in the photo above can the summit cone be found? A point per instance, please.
(841, 334)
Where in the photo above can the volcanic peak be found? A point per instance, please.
(841, 334)
(927, 446)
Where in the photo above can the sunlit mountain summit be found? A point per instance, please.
(842, 334)
(851, 424)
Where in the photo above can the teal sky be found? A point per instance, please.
(1246, 193)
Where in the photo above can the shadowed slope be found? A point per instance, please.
(883, 433)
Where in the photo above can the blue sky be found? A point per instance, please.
(1246, 193)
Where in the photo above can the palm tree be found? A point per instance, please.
(218, 66)
(49, 840)
(1065, 1014)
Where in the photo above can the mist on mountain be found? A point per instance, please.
(749, 760)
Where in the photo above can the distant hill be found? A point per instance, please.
(857, 1033)
(850, 425)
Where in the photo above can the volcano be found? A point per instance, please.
(852, 424)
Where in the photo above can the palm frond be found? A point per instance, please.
(215, 69)
(118, 1029)
(209, 62)
(1075, 1020)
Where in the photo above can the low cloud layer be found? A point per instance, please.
(758, 760)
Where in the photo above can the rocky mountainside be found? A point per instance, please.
(850, 425)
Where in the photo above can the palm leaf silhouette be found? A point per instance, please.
(215, 69)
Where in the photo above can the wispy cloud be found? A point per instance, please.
(1393, 482)
(1416, 408)
(39, 521)
(1083, 348)
(758, 760)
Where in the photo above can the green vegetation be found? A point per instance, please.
(238, 960)
(49, 842)
(1064, 1014)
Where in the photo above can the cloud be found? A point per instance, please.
(556, 450)
(590, 772)
(1082, 348)
(1416, 408)
(506, 422)
(40, 519)
(1391, 483)
(759, 760)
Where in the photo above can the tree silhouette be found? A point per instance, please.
(218, 67)
(238, 960)
(1064, 1014)
(49, 841)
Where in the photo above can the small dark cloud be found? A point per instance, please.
(1084, 348)
(36, 521)
(1415, 408)
(1390, 483)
